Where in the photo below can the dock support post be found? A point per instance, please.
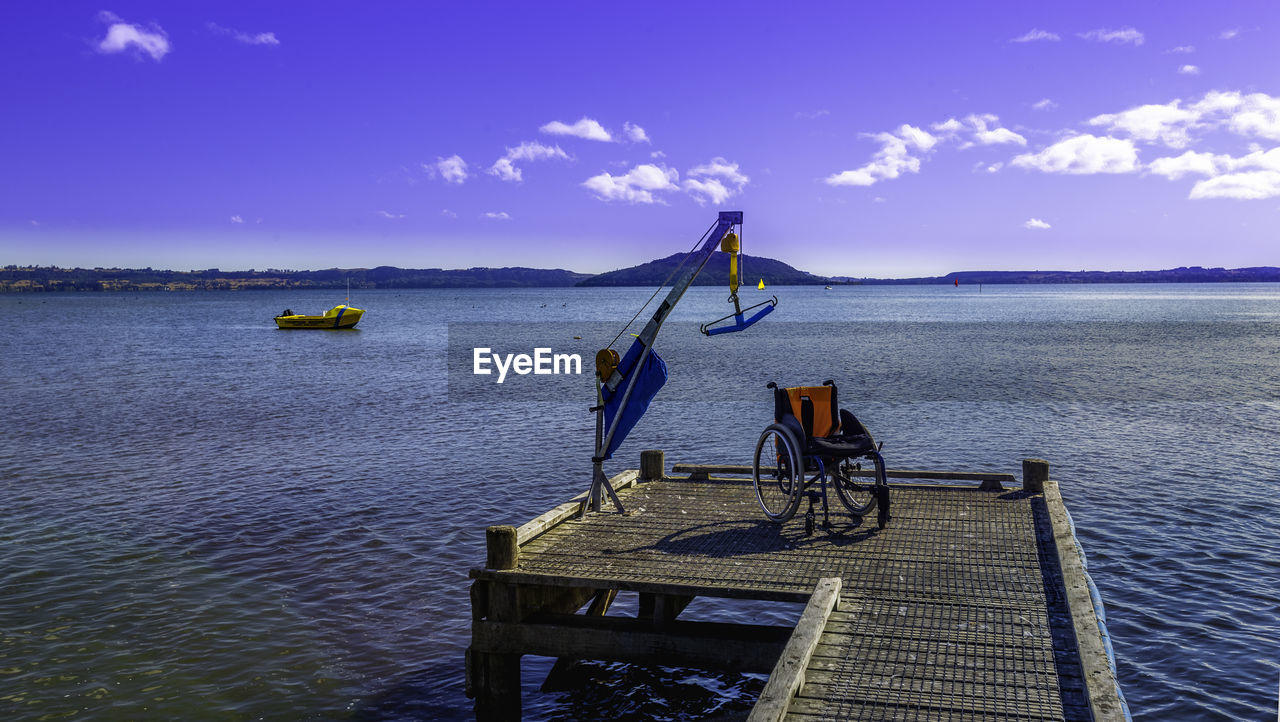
(494, 679)
(1035, 472)
(503, 550)
(652, 464)
(662, 608)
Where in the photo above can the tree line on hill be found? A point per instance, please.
(663, 270)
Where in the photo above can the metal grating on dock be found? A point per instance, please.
(953, 612)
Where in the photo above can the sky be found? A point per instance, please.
(859, 139)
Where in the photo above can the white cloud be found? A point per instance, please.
(710, 189)
(1209, 164)
(1119, 36)
(636, 186)
(533, 150)
(1256, 114)
(1036, 224)
(1083, 155)
(584, 128)
(1181, 49)
(499, 216)
(34, 222)
(246, 38)
(1253, 115)
(1217, 101)
(1228, 34)
(723, 168)
(260, 39)
(1035, 34)
(122, 36)
(1044, 104)
(892, 160)
(716, 181)
(506, 170)
(388, 214)
(1174, 168)
(657, 154)
(452, 169)
(635, 133)
(948, 127)
(980, 133)
(1266, 160)
(1114, 149)
(1251, 185)
(530, 150)
(1189, 70)
(237, 219)
(916, 137)
(1167, 123)
(448, 213)
(993, 136)
(811, 114)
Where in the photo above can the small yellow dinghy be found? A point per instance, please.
(342, 316)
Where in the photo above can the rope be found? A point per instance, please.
(663, 284)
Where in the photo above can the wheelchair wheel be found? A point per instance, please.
(777, 473)
(858, 493)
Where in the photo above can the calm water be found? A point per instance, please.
(207, 518)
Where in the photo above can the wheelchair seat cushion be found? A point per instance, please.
(841, 446)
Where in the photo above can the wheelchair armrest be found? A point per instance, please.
(850, 426)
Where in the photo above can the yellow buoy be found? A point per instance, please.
(761, 286)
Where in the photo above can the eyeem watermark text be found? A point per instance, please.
(542, 362)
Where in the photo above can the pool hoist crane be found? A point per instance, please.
(626, 385)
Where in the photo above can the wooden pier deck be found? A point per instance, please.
(971, 604)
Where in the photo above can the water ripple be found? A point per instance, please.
(208, 517)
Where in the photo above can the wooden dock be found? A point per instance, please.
(973, 603)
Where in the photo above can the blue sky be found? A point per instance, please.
(860, 139)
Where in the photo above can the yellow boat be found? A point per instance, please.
(343, 316)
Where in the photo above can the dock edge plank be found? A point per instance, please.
(542, 523)
(1100, 681)
(788, 674)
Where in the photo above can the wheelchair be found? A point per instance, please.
(810, 433)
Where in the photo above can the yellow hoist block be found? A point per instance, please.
(730, 244)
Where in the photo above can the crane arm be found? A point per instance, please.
(640, 367)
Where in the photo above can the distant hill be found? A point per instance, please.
(716, 273)
(514, 277)
(1184, 274)
(52, 278)
(775, 273)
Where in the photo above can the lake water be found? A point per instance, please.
(207, 518)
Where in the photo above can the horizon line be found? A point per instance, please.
(949, 274)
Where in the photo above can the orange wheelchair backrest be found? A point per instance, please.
(814, 406)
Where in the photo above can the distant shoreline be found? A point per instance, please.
(35, 279)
